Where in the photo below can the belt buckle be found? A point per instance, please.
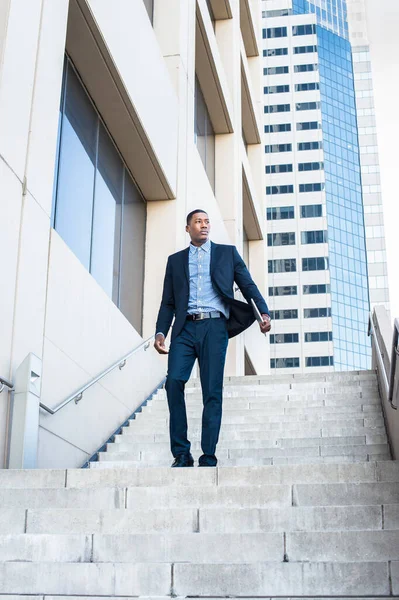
(201, 316)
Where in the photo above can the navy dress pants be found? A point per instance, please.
(206, 340)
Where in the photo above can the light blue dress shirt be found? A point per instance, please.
(202, 295)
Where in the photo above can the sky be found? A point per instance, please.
(383, 28)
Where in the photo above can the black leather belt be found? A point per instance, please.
(215, 314)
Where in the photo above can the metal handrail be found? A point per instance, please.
(5, 383)
(389, 385)
(77, 396)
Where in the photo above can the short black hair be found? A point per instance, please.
(192, 213)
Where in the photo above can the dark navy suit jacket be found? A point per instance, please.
(227, 267)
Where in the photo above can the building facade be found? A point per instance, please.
(319, 275)
(123, 117)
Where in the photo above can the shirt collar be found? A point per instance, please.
(206, 247)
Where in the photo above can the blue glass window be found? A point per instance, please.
(304, 49)
(278, 169)
(281, 239)
(311, 187)
(316, 313)
(279, 12)
(279, 315)
(315, 264)
(272, 190)
(282, 265)
(278, 127)
(275, 52)
(307, 106)
(274, 32)
(308, 125)
(311, 166)
(283, 290)
(275, 70)
(276, 89)
(306, 68)
(284, 338)
(319, 336)
(310, 145)
(318, 288)
(319, 361)
(313, 237)
(280, 212)
(277, 108)
(284, 363)
(303, 29)
(309, 211)
(307, 87)
(272, 148)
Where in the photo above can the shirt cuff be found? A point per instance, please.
(159, 333)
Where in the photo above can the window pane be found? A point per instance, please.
(75, 186)
(132, 260)
(107, 217)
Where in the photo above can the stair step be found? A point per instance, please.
(212, 520)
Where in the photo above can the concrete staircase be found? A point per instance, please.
(305, 503)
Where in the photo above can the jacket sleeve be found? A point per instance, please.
(249, 289)
(167, 308)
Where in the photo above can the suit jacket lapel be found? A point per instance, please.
(214, 249)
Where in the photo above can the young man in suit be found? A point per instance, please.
(198, 292)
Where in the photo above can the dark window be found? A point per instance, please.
(319, 336)
(277, 108)
(281, 239)
(307, 106)
(310, 145)
(316, 313)
(319, 361)
(272, 190)
(282, 265)
(272, 148)
(276, 89)
(278, 169)
(275, 52)
(313, 237)
(288, 313)
(98, 210)
(280, 212)
(279, 12)
(311, 166)
(315, 264)
(307, 87)
(275, 70)
(284, 338)
(306, 126)
(278, 127)
(303, 29)
(204, 134)
(306, 68)
(304, 49)
(311, 210)
(284, 363)
(319, 288)
(283, 290)
(274, 32)
(311, 187)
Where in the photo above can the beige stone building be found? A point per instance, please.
(117, 119)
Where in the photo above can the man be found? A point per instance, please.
(198, 292)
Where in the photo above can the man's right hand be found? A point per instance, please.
(159, 344)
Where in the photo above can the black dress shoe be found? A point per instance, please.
(206, 460)
(183, 460)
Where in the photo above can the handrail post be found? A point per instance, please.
(24, 414)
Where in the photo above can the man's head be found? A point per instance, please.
(198, 226)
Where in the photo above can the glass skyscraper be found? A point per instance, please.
(318, 273)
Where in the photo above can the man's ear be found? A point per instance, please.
(187, 228)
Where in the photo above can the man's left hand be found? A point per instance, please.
(266, 325)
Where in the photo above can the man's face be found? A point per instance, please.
(199, 228)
